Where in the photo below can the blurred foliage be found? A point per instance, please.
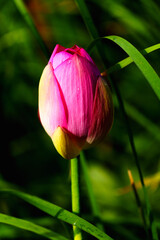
(28, 158)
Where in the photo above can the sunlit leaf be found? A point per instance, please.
(143, 65)
(29, 226)
(127, 61)
(60, 213)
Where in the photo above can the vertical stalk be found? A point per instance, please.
(138, 202)
(75, 192)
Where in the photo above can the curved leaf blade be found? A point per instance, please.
(127, 61)
(140, 61)
(29, 226)
(59, 213)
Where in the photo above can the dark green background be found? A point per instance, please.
(28, 159)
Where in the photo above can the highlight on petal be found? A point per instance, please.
(78, 78)
(58, 48)
(60, 58)
(65, 144)
(102, 115)
(52, 108)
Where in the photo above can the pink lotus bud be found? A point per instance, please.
(75, 105)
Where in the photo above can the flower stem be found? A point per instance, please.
(75, 191)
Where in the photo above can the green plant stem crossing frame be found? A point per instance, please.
(75, 193)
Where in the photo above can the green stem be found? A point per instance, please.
(138, 202)
(75, 191)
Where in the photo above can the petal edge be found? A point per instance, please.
(52, 109)
(58, 48)
(102, 115)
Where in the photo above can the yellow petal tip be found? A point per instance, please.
(65, 144)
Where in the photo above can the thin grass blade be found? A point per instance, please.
(127, 61)
(60, 213)
(143, 65)
(29, 226)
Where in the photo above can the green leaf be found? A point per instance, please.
(29, 226)
(125, 62)
(60, 213)
(143, 65)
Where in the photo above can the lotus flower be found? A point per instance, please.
(75, 105)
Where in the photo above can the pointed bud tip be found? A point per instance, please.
(65, 144)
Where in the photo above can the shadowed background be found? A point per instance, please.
(28, 158)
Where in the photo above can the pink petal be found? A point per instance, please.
(80, 51)
(58, 48)
(73, 49)
(77, 78)
(52, 109)
(83, 53)
(60, 58)
(102, 115)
